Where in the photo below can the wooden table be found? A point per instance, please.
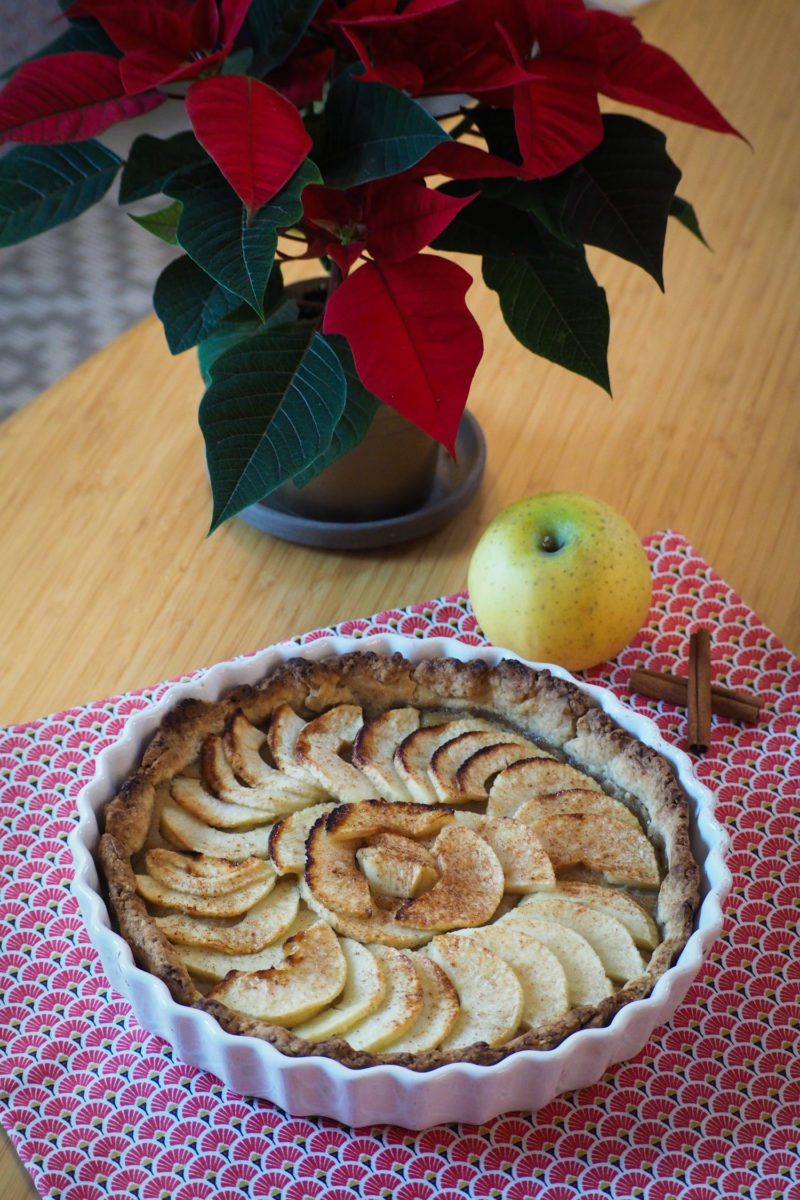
(109, 582)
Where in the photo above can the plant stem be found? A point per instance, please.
(463, 126)
(334, 279)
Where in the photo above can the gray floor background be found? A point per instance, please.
(72, 290)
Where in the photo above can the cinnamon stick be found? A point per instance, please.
(663, 685)
(699, 707)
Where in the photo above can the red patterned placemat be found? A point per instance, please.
(97, 1107)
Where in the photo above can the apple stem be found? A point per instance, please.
(549, 544)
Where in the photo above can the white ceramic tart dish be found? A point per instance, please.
(392, 880)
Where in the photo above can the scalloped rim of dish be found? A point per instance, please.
(322, 1087)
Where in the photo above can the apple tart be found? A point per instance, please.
(386, 861)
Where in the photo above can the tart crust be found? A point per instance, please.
(539, 706)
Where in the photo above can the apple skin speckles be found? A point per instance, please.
(577, 604)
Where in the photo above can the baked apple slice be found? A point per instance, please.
(287, 840)
(587, 982)
(202, 875)
(545, 996)
(274, 793)
(525, 865)
(468, 890)
(575, 800)
(397, 866)
(332, 874)
(183, 829)
(381, 928)
(319, 747)
(267, 920)
(311, 975)
(193, 796)
(284, 729)
(474, 775)
(365, 819)
(415, 752)
(243, 743)
(445, 766)
(440, 1009)
(214, 965)
(375, 746)
(363, 993)
(607, 936)
(531, 777)
(636, 919)
(227, 904)
(399, 1008)
(613, 848)
(489, 993)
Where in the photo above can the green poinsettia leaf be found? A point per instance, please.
(286, 208)
(552, 304)
(242, 323)
(213, 228)
(230, 332)
(162, 224)
(370, 131)
(489, 227)
(189, 303)
(542, 199)
(620, 194)
(45, 186)
(240, 62)
(684, 212)
(277, 26)
(214, 231)
(359, 410)
(497, 126)
(226, 334)
(152, 161)
(271, 409)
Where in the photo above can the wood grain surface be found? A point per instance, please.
(109, 582)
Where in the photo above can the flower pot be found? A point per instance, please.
(397, 483)
(388, 474)
(453, 483)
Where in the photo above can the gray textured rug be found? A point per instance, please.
(61, 299)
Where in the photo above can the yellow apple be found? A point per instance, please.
(560, 577)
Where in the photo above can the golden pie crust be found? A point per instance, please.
(532, 706)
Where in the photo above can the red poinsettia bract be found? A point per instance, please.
(393, 219)
(166, 40)
(67, 98)
(452, 46)
(421, 345)
(255, 136)
(546, 60)
(301, 78)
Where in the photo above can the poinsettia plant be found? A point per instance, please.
(309, 133)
